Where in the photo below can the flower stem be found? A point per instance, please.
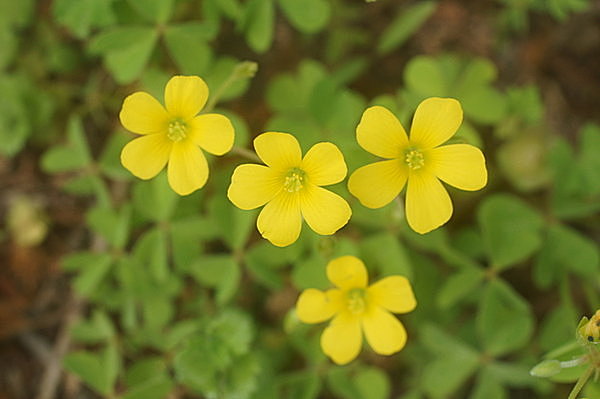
(581, 382)
(246, 153)
(243, 70)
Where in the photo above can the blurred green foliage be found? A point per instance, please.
(184, 295)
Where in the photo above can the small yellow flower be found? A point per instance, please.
(590, 330)
(420, 160)
(356, 308)
(173, 134)
(290, 186)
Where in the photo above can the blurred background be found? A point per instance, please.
(107, 282)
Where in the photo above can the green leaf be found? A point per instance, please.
(219, 271)
(234, 225)
(454, 363)
(81, 16)
(110, 159)
(264, 259)
(181, 38)
(504, 320)
(158, 311)
(225, 339)
(385, 252)
(186, 235)
(155, 199)
(305, 385)
(458, 286)
(98, 328)
(126, 50)
(73, 156)
(158, 11)
(81, 260)
(234, 329)
(308, 16)
(156, 385)
(220, 72)
(589, 144)
(91, 275)
(310, 273)
(372, 383)
(233, 9)
(340, 382)
(113, 226)
(407, 22)
(511, 229)
(422, 74)
(97, 370)
(488, 387)
(151, 252)
(90, 369)
(565, 250)
(259, 24)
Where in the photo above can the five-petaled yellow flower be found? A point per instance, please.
(418, 160)
(290, 186)
(173, 134)
(356, 308)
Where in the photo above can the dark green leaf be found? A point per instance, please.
(511, 229)
(407, 22)
(504, 320)
(308, 16)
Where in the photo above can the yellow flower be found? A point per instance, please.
(290, 186)
(173, 134)
(357, 308)
(419, 160)
(590, 329)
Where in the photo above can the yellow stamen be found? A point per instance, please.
(177, 130)
(414, 158)
(294, 180)
(356, 300)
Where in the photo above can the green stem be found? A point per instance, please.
(246, 153)
(581, 382)
(243, 70)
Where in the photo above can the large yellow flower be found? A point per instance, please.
(357, 308)
(418, 160)
(173, 134)
(290, 186)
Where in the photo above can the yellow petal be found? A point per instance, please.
(324, 164)
(141, 113)
(377, 184)
(435, 121)
(253, 186)
(278, 150)
(347, 272)
(342, 339)
(460, 165)
(147, 155)
(280, 220)
(380, 133)
(188, 169)
(315, 306)
(185, 96)
(212, 132)
(384, 333)
(324, 211)
(428, 204)
(393, 293)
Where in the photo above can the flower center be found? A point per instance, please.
(591, 330)
(294, 180)
(414, 158)
(356, 300)
(176, 131)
